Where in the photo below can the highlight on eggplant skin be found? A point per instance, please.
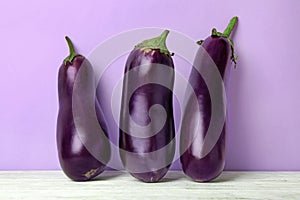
(141, 155)
(75, 159)
(220, 48)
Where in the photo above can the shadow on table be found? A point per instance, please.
(224, 177)
(171, 176)
(107, 175)
(227, 176)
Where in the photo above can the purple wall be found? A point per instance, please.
(264, 96)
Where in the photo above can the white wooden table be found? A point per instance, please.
(112, 185)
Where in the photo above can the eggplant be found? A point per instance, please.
(197, 116)
(77, 143)
(147, 133)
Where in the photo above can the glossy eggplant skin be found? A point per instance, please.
(133, 149)
(209, 167)
(75, 159)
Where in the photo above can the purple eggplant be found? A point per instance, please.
(148, 151)
(76, 160)
(197, 116)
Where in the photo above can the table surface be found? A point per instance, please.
(120, 185)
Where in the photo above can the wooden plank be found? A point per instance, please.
(120, 185)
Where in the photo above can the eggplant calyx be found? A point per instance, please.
(215, 33)
(73, 53)
(156, 43)
(234, 57)
(200, 42)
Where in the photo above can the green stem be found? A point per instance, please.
(73, 53)
(156, 43)
(230, 27)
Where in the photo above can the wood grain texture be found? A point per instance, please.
(119, 185)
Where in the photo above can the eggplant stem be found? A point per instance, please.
(72, 51)
(230, 27)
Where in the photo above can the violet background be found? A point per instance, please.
(264, 95)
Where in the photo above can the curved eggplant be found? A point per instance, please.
(196, 122)
(147, 145)
(75, 159)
